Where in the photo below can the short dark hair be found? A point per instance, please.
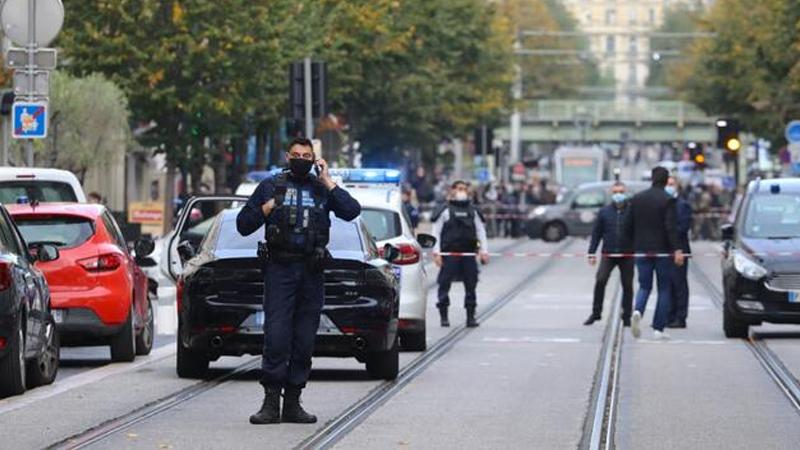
(459, 182)
(660, 175)
(305, 142)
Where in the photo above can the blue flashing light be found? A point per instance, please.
(257, 176)
(376, 176)
(23, 200)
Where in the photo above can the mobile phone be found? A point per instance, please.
(316, 169)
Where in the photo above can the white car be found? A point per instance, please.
(36, 183)
(378, 192)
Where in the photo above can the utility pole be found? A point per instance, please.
(31, 73)
(516, 117)
(308, 101)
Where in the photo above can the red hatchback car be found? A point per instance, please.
(99, 295)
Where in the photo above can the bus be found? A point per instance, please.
(574, 166)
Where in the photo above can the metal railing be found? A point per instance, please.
(612, 111)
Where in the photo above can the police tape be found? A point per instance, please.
(609, 255)
(528, 216)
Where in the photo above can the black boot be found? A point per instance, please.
(592, 319)
(443, 316)
(471, 321)
(293, 412)
(270, 411)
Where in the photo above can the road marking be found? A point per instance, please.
(531, 340)
(83, 379)
(684, 341)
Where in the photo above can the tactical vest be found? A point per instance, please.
(459, 233)
(298, 227)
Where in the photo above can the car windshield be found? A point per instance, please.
(382, 223)
(344, 236)
(60, 231)
(773, 216)
(43, 191)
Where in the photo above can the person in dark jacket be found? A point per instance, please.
(608, 228)
(680, 276)
(652, 226)
(295, 206)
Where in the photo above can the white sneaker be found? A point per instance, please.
(660, 335)
(635, 329)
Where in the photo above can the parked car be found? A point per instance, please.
(40, 184)
(760, 267)
(99, 295)
(29, 341)
(575, 214)
(220, 297)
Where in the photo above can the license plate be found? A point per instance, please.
(326, 325)
(794, 297)
(259, 319)
(397, 272)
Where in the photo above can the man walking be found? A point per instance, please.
(459, 229)
(680, 276)
(651, 225)
(608, 228)
(295, 206)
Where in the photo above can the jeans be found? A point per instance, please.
(626, 277)
(680, 293)
(464, 268)
(662, 266)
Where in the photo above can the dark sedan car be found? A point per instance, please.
(29, 346)
(220, 296)
(761, 264)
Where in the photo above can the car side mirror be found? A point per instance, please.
(390, 253)
(144, 247)
(727, 231)
(186, 251)
(426, 240)
(47, 253)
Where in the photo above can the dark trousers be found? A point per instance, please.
(626, 278)
(293, 299)
(680, 293)
(454, 268)
(662, 266)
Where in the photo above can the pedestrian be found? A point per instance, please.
(94, 198)
(295, 206)
(408, 206)
(608, 228)
(651, 226)
(680, 275)
(458, 228)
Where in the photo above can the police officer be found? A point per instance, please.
(608, 228)
(295, 207)
(680, 274)
(458, 228)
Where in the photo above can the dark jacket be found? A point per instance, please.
(608, 227)
(336, 200)
(684, 212)
(651, 224)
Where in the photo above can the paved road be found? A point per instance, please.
(524, 379)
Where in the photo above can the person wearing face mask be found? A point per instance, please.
(680, 274)
(608, 228)
(294, 207)
(458, 228)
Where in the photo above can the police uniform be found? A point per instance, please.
(458, 228)
(297, 231)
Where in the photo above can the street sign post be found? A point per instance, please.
(44, 58)
(793, 131)
(29, 120)
(40, 87)
(47, 18)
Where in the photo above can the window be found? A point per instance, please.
(43, 191)
(611, 44)
(633, 45)
(652, 16)
(382, 223)
(7, 241)
(590, 199)
(611, 16)
(633, 16)
(61, 231)
(114, 231)
(773, 216)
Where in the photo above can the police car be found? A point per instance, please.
(379, 193)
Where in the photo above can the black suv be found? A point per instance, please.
(761, 259)
(29, 346)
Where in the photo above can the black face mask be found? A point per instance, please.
(300, 167)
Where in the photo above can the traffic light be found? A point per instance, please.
(7, 103)
(728, 135)
(483, 137)
(297, 91)
(697, 153)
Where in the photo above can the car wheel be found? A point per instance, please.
(12, 366)
(189, 364)
(144, 340)
(384, 365)
(554, 232)
(414, 342)
(123, 345)
(733, 328)
(43, 370)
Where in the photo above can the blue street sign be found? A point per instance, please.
(30, 120)
(793, 131)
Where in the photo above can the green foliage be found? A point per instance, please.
(678, 19)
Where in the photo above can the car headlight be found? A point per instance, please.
(538, 211)
(747, 267)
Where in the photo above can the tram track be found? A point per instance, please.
(786, 381)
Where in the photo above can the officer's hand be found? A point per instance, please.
(679, 258)
(592, 260)
(267, 208)
(324, 174)
(484, 257)
(437, 259)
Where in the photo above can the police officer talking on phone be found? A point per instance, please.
(295, 206)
